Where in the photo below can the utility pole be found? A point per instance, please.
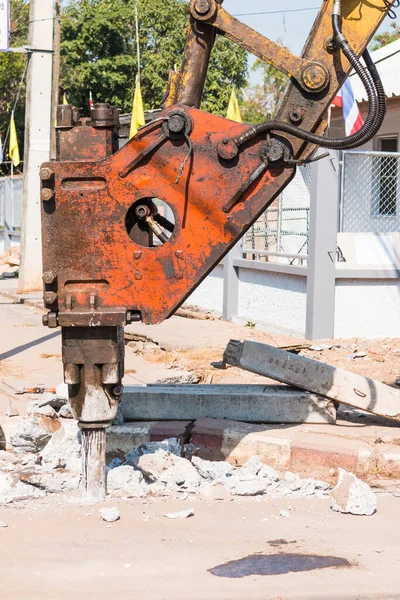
(37, 138)
(56, 76)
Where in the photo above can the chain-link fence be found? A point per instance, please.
(11, 191)
(282, 231)
(370, 192)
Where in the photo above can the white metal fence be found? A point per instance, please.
(11, 190)
(370, 192)
(282, 231)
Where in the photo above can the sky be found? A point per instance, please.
(291, 28)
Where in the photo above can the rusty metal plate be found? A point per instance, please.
(86, 242)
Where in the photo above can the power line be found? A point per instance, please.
(277, 12)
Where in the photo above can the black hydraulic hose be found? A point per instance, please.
(376, 97)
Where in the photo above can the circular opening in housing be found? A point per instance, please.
(150, 222)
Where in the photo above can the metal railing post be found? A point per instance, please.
(231, 283)
(321, 281)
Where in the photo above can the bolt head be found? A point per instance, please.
(176, 124)
(47, 194)
(46, 173)
(315, 77)
(50, 297)
(296, 117)
(49, 277)
(45, 320)
(202, 6)
(227, 150)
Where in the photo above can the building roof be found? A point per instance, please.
(387, 60)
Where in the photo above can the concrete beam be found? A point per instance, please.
(249, 403)
(336, 384)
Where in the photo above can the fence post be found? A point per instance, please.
(231, 283)
(321, 284)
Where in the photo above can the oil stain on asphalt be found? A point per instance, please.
(277, 564)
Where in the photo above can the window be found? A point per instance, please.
(385, 179)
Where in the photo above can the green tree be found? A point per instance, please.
(387, 37)
(99, 53)
(261, 101)
(12, 69)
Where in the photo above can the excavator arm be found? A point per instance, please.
(112, 256)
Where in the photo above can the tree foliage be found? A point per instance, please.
(12, 68)
(261, 100)
(99, 53)
(387, 37)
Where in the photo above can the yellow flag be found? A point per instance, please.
(13, 150)
(233, 109)
(65, 101)
(137, 111)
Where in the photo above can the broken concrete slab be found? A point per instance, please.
(212, 470)
(239, 487)
(126, 481)
(122, 438)
(12, 489)
(319, 378)
(30, 435)
(351, 495)
(171, 445)
(65, 412)
(252, 403)
(64, 449)
(169, 469)
(52, 482)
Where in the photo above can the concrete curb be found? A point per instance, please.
(285, 448)
(25, 300)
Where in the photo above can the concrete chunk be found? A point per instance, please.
(64, 449)
(29, 436)
(126, 481)
(351, 495)
(212, 470)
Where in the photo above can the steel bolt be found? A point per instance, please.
(50, 297)
(202, 6)
(46, 173)
(50, 320)
(330, 44)
(296, 117)
(47, 194)
(314, 77)
(176, 124)
(49, 277)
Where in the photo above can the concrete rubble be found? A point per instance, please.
(50, 462)
(64, 449)
(30, 435)
(353, 496)
(184, 514)
(110, 515)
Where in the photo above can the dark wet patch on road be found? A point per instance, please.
(277, 564)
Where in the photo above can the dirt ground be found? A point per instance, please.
(241, 550)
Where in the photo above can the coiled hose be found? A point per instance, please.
(376, 97)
